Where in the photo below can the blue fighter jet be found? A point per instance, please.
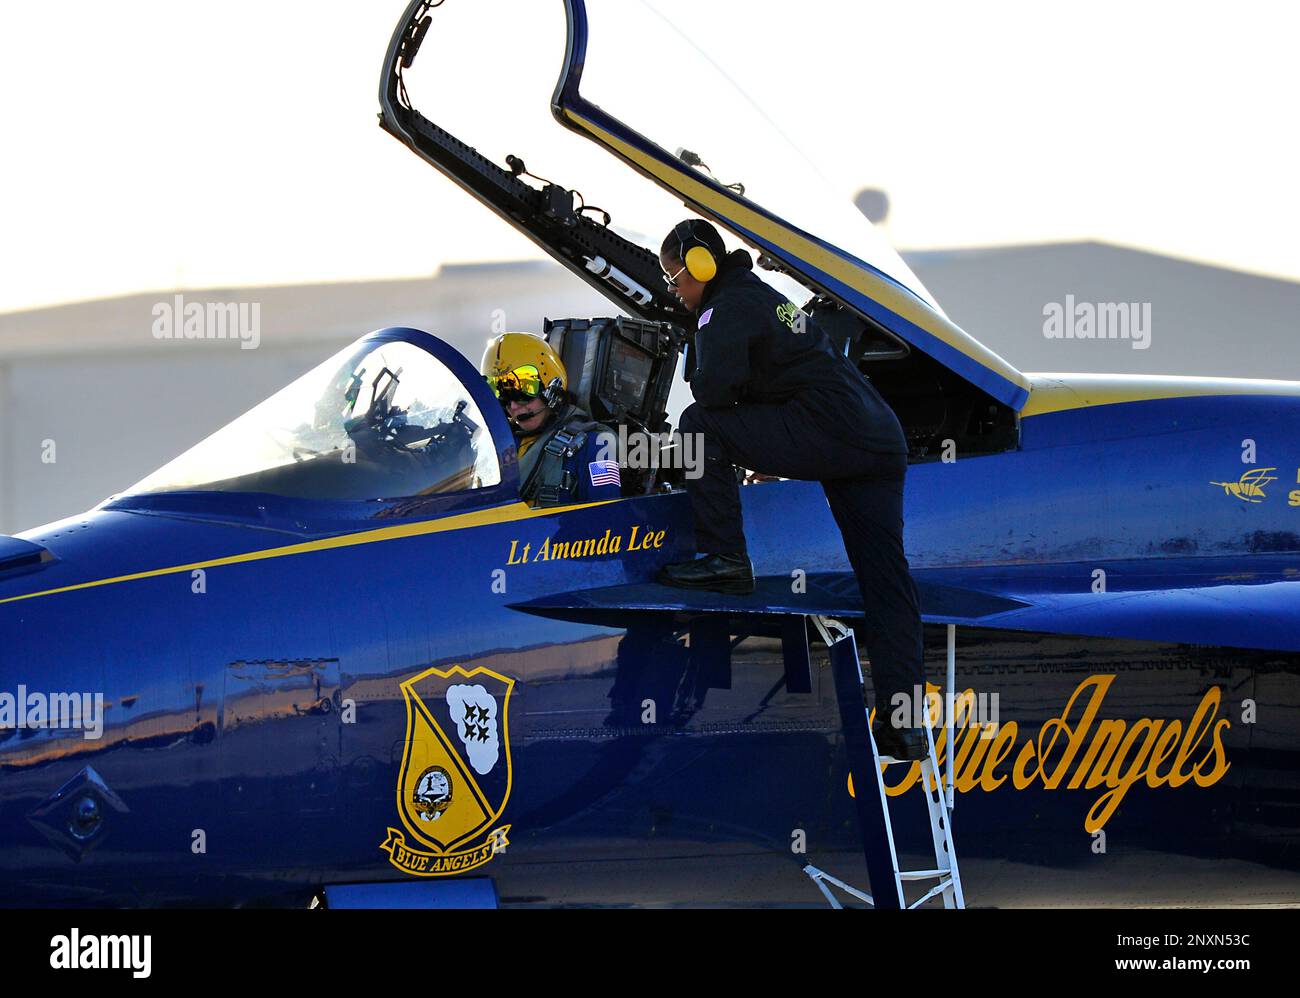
(329, 654)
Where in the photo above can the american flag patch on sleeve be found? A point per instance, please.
(604, 473)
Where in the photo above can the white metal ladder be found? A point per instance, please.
(873, 808)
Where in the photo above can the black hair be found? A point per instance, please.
(694, 231)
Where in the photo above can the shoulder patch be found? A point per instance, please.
(603, 473)
(704, 319)
(794, 317)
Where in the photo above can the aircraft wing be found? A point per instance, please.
(831, 594)
(1231, 602)
(1188, 601)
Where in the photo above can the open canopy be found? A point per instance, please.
(685, 101)
(634, 84)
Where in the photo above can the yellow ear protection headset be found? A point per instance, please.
(694, 253)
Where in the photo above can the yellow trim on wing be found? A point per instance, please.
(894, 298)
(461, 521)
(1062, 392)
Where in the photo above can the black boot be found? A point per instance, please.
(719, 573)
(899, 743)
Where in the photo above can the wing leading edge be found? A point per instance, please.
(1188, 602)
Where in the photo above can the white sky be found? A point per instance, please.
(150, 145)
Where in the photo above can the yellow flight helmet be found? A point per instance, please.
(523, 365)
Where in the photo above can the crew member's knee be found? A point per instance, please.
(691, 421)
(695, 421)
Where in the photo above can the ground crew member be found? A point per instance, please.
(773, 395)
(559, 445)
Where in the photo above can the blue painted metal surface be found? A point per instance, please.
(460, 894)
(227, 738)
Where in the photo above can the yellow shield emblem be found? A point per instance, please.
(455, 777)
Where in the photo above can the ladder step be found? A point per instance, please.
(923, 874)
(934, 891)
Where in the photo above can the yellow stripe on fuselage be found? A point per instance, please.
(1061, 392)
(1048, 393)
(461, 521)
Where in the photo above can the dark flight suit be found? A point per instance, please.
(773, 395)
(562, 465)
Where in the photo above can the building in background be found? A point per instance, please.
(90, 386)
(1204, 320)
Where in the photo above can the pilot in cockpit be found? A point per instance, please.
(560, 453)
